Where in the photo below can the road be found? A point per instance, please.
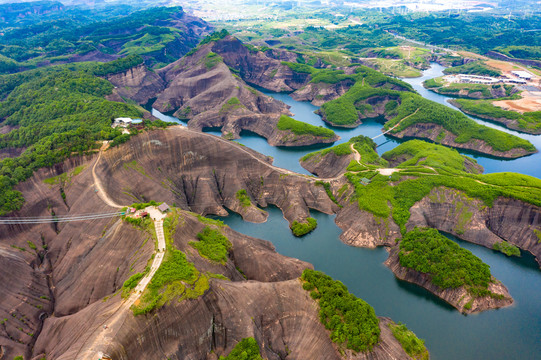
(94, 347)
(97, 183)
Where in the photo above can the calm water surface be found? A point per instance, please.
(510, 333)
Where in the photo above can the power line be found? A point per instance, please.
(54, 219)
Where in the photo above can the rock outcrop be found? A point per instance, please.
(328, 165)
(320, 93)
(68, 288)
(203, 173)
(432, 132)
(459, 298)
(138, 84)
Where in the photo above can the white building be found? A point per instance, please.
(522, 74)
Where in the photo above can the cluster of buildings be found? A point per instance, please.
(486, 80)
(124, 122)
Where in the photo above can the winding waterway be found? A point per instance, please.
(510, 333)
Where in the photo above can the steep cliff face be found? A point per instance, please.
(459, 298)
(257, 67)
(87, 262)
(138, 84)
(518, 223)
(363, 229)
(430, 131)
(203, 173)
(327, 165)
(453, 212)
(320, 93)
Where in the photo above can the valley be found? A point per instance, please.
(301, 184)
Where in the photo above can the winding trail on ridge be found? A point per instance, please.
(97, 182)
(94, 346)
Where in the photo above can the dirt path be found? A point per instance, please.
(356, 154)
(97, 182)
(391, 129)
(106, 331)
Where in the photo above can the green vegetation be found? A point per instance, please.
(479, 32)
(429, 166)
(212, 59)
(352, 322)
(449, 265)
(367, 149)
(132, 282)
(212, 245)
(474, 68)
(538, 234)
(243, 198)
(232, 104)
(521, 52)
(65, 35)
(215, 36)
(394, 68)
(416, 109)
(421, 153)
(208, 221)
(328, 190)
(246, 349)
(300, 128)
(64, 179)
(176, 277)
(506, 248)
(303, 228)
(338, 150)
(412, 345)
(118, 66)
(467, 90)
(528, 121)
(58, 115)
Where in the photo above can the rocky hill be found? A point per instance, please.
(70, 275)
(202, 89)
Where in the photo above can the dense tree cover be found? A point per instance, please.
(449, 265)
(156, 33)
(507, 248)
(521, 52)
(287, 123)
(351, 321)
(362, 74)
(420, 110)
(528, 121)
(212, 245)
(477, 32)
(118, 66)
(246, 349)
(474, 68)
(414, 109)
(303, 228)
(57, 115)
(215, 36)
(412, 345)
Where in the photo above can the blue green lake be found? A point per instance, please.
(510, 333)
